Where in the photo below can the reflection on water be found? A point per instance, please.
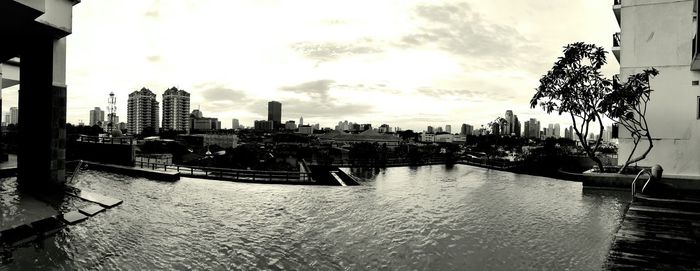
(428, 218)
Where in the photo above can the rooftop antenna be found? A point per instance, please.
(112, 109)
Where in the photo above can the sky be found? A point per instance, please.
(406, 63)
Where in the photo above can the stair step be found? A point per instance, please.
(666, 211)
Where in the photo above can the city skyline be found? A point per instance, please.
(339, 62)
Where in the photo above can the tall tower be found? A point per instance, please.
(97, 117)
(142, 111)
(274, 113)
(112, 109)
(176, 110)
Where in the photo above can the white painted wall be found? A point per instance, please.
(659, 34)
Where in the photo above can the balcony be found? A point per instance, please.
(616, 46)
(617, 6)
(695, 58)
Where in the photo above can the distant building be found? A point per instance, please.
(438, 130)
(142, 111)
(14, 116)
(533, 128)
(384, 128)
(274, 113)
(235, 124)
(371, 136)
(176, 110)
(516, 126)
(200, 123)
(301, 121)
(306, 129)
(290, 125)
(223, 140)
(430, 130)
(113, 119)
(448, 129)
(427, 137)
(264, 125)
(97, 117)
(466, 129)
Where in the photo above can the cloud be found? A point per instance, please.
(466, 94)
(458, 29)
(153, 11)
(221, 99)
(315, 89)
(327, 51)
(153, 58)
(320, 102)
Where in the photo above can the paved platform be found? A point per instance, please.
(660, 232)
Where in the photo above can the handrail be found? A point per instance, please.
(634, 183)
(75, 172)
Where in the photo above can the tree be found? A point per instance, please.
(626, 105)
(576, 86)
(498, 124)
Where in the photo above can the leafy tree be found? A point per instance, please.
(498, 124)
(627, 106)
(576, 86)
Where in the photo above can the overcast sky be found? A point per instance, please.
(402, 62)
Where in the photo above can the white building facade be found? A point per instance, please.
(662, 34)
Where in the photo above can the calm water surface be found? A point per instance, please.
(425, 218)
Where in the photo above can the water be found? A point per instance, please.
(425, 218)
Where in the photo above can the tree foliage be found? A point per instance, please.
(627, 106)
(575, 85)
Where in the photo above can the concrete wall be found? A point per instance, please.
(659, 34)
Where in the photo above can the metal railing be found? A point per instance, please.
(231, 174)
(107, 140)
(634, 183)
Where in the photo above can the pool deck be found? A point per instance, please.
(658, 233)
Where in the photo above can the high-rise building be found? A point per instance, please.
(97, 117)
(516, 126)
(176, 110)
(430, 130)
(448, 129)
(526, 129)
(438, 130)
(235, 124)
(142, 111)
(14, 116)
(556, 131)
(533, 128)
(274, 113)
(301, 121)
(664, 35)
(507, 129)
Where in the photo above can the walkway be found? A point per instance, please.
(658, 233)
(240, 175)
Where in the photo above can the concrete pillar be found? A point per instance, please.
(42, 114)
(3, 155)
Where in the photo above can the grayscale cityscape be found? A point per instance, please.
(350, 135)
